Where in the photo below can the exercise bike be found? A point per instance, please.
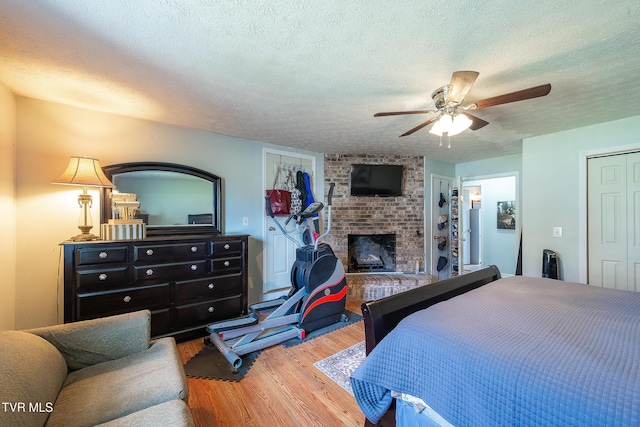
(317, 298)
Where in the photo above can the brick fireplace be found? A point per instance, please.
(401, 216)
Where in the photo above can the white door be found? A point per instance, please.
(280, 256)
(613, 211)
(280, 252)
(440, 185)
(633, 222)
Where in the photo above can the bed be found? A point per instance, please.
(479, 349)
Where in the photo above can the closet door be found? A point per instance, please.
(614, 221)
(633, 221)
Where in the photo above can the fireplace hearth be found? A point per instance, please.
(371, 253)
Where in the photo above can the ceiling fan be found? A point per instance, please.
(453, 117)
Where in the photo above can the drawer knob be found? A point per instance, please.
(194, 249)
(149, 252)
(102, 255)
(194, 267)
(210, 309)
(102, 277)
(210, 286)
(149, 272)
(226, 246)
(126, 298)
(227, 263)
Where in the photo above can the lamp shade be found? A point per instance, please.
(460, 123)
(442, 125)
(85, 172)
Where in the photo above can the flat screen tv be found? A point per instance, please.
(376, 180)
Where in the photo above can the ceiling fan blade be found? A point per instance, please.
(521, 95)
(478, 123)
(398, 113)
(461, 82)
(420, 126)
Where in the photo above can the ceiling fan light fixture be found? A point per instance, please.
(460, 123)
(443, 125)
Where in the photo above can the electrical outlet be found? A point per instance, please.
(245, 221)
(557, 231)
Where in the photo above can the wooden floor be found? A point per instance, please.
(282, 388)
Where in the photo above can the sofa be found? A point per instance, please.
(103, 372)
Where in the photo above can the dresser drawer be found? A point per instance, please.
(168, 272)
(110, 254)
(208, 311)
(175, 251)
(226, 266)
(231, 248)
(94, 279)
(209, 288)
(151, 297)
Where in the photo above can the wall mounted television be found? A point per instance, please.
(376, 180)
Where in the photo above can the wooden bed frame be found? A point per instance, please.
(381, 316)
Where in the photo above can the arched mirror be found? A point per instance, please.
(174, 199)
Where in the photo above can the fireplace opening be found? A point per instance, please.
(371, 253)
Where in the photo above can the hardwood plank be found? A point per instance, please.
(282, 388)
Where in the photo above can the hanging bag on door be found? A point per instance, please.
(296, 199)
(279, 199)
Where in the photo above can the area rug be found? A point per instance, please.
(210, 364)
(340, 366)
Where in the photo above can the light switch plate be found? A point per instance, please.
(557, 231)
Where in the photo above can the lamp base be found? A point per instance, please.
(84, 237)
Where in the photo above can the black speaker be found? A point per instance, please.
(549, 264)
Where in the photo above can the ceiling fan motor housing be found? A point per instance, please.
(439, 97)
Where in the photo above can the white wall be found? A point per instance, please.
(553, 187)
(7, 210)
(48, 134)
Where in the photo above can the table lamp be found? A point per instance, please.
(84, 172)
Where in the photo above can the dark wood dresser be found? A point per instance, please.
(185, 281)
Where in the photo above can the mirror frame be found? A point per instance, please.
(120, 168)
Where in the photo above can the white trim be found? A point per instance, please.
(516, 175)
(583, 191)
(265, 185)
(432, 268)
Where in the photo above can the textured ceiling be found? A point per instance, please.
(311, 74)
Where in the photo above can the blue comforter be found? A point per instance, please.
(518, 351)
